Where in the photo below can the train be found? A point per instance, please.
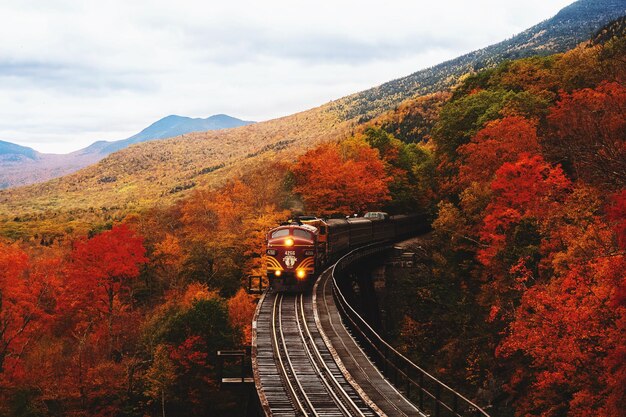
(297, 251)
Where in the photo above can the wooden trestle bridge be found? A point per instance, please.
(313, 355)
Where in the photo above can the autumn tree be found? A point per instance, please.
(587, 130)
(13, 322)
(240, 311)
(27, 301)
(412, 121)
(346, 178)
(160, 376)
(225, 231)
(498, 142)
(528, 189)
(410, 167)
(193, 324)
(101, 271)
(462, 117)
(566, 337)
(168, 259)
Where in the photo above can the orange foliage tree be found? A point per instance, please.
(240, 311)
(227, 227)
(347, 178)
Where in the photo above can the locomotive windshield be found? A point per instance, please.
(302, 233)
(280, 233)
(295, 232)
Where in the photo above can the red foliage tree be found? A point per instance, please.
(499, 142)
(100, 272)
(27, 291)
(588, 129)
(529, 188)
(574, 337)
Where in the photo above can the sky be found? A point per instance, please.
(73, 72)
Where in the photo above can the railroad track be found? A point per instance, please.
(297, 373)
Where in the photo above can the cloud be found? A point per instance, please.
(72, 72)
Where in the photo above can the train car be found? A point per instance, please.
(338, 240)
(406, 225)
(291, 256)
(360, 231)
(382, 226)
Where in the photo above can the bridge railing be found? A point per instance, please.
(425, 391)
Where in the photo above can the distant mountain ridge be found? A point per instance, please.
(169, 127)
(20, 165)
(10, 150)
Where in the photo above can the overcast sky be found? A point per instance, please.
(73, 72)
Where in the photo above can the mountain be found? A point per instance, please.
(169, 127)
(11, 151)
(20, 165)
(572, 25)
(615, 29)
(162, 172)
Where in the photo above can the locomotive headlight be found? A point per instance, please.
(309, 253)
(289, 242)
(271, 252)
(301, 273)
(278, 272)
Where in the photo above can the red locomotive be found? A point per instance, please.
(297, 251)
(291, 256)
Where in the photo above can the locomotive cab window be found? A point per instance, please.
(302, 233)
(280, 233)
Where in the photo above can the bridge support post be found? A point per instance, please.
(220, 368)
(252, 290)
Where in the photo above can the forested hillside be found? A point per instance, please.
(528, 252)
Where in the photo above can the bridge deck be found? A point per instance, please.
(295, 374)
(357, 380)
(357, 367)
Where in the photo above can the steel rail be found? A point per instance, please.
(332, 384)
(275, 334)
